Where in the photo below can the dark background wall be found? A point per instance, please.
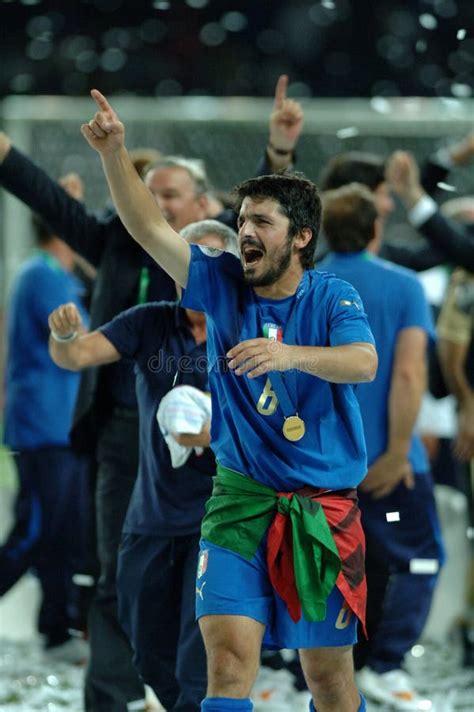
(238, 47)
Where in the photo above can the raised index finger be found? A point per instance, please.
(280, 90)
(101, 101)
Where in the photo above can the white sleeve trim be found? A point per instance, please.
(422, 211)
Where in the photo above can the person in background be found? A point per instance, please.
(456, 353)
(49, 528)
(454, 241)
(396, 497)
(376, 173)
(160, 541)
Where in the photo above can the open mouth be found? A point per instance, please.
(251, 255)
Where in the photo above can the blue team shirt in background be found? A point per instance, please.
(328, 312)
(394, 300)
(40, 396)
(166, 501)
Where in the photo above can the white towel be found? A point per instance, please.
(184, 409)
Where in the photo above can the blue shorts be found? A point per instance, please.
(228, 584)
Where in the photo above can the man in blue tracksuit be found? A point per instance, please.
(49, 523)
(160, 540)
(403, 556)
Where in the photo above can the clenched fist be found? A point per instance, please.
(65, 320)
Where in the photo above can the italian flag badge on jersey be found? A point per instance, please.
(273, 332)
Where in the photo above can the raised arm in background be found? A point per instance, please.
(286, 125)
(441, 162)
(65, 214)
(455, 241)
(135, 205)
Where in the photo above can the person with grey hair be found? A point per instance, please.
(160, 540)
(215, 232)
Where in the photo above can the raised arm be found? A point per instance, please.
(453, 240)
(65, 214)
(135, 204)
(71, 347)
(286, 125)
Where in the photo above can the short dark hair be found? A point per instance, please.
(298, 199)
(349, 216)
(353, 167)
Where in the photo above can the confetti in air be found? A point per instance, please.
(393, 516)
(424, 566)
(349, 132)
(446, 186)
(381, 105)
(461, 34)
(461, 90)
(328, 4)
(429, 22)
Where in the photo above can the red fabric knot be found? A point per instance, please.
(280, 557)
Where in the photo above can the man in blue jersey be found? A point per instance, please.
(49, 525)
(284, 344)
(404, 549)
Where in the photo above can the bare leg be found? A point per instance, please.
(233, 654)
(329, 674)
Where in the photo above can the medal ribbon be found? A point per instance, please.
(282, 385)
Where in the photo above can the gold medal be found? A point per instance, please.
(294, 428)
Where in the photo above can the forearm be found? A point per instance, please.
(70, 354)
(453, 364)
(453, 239)
(143, 218)
(83, 351)
(277, 160)
(463, 151)
(406, 392)
(416, 257)
(66, 216)
(350, 363)
(193, 440)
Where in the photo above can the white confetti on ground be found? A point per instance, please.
(29, 684)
